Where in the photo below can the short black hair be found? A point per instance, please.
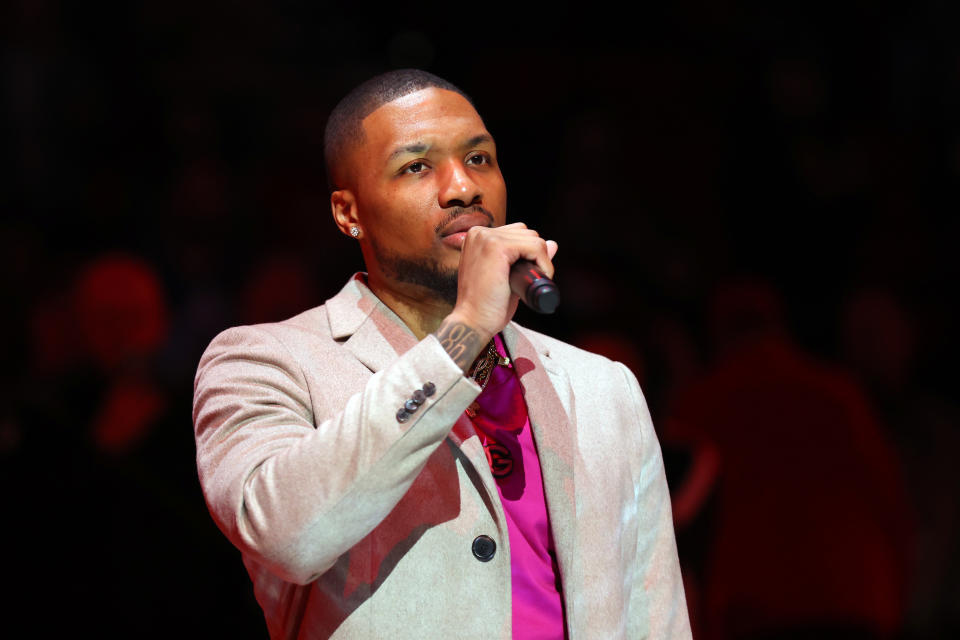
(345, 125)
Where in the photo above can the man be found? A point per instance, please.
(405, 462)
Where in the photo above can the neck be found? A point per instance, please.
(417, 306)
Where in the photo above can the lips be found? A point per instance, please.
(465, 222)
(455, 232)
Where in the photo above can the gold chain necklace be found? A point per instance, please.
(483, 367)
(481, 371)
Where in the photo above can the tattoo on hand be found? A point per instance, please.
(460, 341)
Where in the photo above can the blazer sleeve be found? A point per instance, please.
(658, 607)
(295, 495)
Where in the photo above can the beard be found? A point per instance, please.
(425, 272)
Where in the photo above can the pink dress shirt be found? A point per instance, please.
(501, 421)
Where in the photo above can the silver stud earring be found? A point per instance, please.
(355, 231)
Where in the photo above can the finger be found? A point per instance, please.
(537, 251)
(552, 248)
(516, 231)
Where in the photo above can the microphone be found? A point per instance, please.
(534, 288)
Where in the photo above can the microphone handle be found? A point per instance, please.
(536, 290)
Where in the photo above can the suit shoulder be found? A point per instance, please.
(309, 326)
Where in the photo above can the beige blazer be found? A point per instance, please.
(354, 525)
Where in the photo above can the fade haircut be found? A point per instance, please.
(345, 125)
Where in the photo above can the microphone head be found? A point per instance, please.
(545, 299)
(536, 290)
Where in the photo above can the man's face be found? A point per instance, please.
(426, 172)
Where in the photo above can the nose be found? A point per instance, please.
(457, 187)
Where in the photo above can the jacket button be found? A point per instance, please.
(484, 548)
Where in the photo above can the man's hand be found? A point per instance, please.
(485, 303)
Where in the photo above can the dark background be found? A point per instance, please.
(711, 171)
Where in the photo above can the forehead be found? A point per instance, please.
(432, 116)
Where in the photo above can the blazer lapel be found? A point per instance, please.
(549, 399)
(377, 336)
(372, 331)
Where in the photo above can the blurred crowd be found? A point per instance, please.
(756, 212)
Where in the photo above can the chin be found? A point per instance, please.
(429, 273)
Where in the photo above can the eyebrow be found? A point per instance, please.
(476, 140)
(420, 147)
(417, 148)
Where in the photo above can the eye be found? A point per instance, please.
(415, 167)
(478, 158)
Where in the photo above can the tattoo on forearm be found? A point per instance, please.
(460, 341)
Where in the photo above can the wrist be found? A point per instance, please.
(461, 339)
(469, 320)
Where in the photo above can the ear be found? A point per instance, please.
(343, 204)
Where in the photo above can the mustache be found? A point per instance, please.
(456, 212)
